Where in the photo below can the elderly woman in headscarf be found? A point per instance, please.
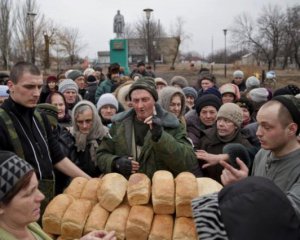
(88, 132)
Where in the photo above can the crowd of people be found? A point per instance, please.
(82, 123)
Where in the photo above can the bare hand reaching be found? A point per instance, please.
(231, 174)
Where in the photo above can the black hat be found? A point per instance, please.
(243, 102)
(146, 83)
(91, 79)
(141, 63)
(207, 100)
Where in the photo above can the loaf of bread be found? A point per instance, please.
(90, 189)
(139, 222)
(74, 219)
(162, 227)
(139, 189)
(76, 187)
(117, 221)
(54, 213)
(163, 192)
(112, 191)
(97, 219)
(207, 186)
(184, 229)
(186, 190)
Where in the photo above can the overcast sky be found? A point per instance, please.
(204, 19)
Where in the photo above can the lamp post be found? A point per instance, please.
(31, 16)
(148, 14)
(225, 54)
(48, 40)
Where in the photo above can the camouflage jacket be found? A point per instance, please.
(173, 151)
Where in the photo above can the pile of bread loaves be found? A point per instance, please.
(134, 209)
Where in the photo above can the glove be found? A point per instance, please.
(122, 165)
(157, 128)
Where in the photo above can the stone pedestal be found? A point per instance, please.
(119, 53)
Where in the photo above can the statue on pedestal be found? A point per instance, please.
(119, 24)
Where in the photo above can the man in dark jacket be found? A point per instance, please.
(146, 138)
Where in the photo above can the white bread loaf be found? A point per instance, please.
(112, 191)
(117, 221)
(139, 189)
(74, 219)
(96, 220)
(76, 187)
(186, 190)
(90, 189)
(163, 192)
(207, 185)
(54, 213)
(162, 227)
(184, 229)
(139, 222)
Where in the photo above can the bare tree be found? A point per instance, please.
(5, 31)
(69, 40)
(180, 35)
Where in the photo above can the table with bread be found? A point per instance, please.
(138, 208)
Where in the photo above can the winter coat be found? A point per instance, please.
(212, 143)
(172, 152)
(107, 86)
(91, 92)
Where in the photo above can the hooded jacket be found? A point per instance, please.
(173, 151)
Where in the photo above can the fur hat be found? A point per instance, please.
(146, 83)
(67, 84)
(75, 74)
(107, 99)
(180, 81)
(51, 112)
(141, 63)
(259, 95)
(238, 74)
(222, 215)
(252, 82)
(121, 93)
(232, 112)
(12, 169)
(230, 88)
(91, 79)
(287, 90)
(190, 91)
(207, 100)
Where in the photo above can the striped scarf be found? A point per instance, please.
(207, 217)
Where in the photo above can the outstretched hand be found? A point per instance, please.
(231, 174)
(211, 159)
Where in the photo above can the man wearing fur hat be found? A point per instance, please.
(278, 159)
(146, 138)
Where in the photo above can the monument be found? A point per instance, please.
(119, 45)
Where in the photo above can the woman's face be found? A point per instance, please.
(206, 84)
(24, 208)
(208, 115)
(51, 85)
(58, 101)
(107, 111)
(246, 114)
(190, 101)
(84, 121)
(227, 98)
(175, 105)
(225, 127)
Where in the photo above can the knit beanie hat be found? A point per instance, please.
(207, 100)
(238, 74)
(4, 91)
(146, 83)
(232, 112)
(222, 215)
(252, 82)
(67, 84)
(51, 79)
(259, 95)
(230, 88)
(293, 105)
(287, 90)
(91, 79)
(89, 71)
(190, 91)
(12, 169)
(180, 81)
(75, 74)
(161, 81)
(107, 99)
(51, 112)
